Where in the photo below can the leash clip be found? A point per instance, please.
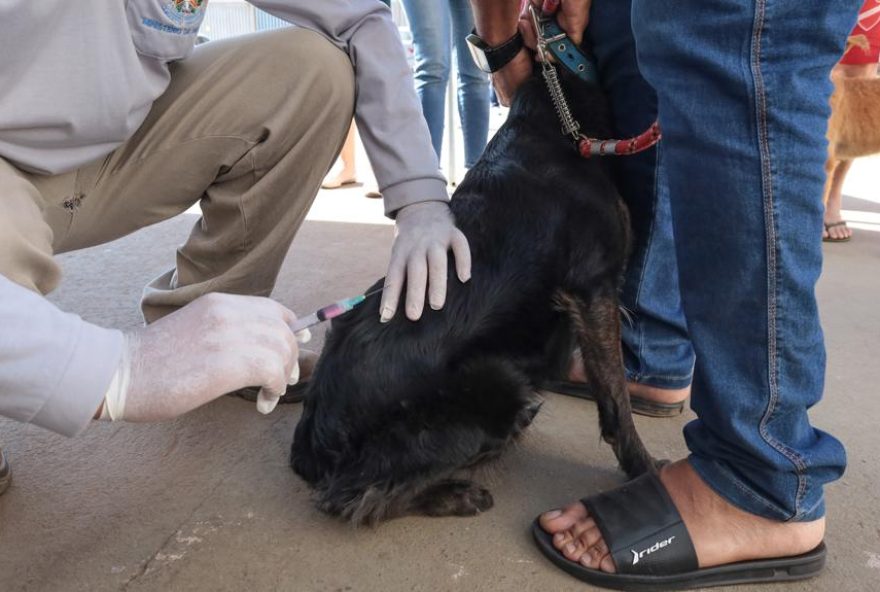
(538, 21)
(570, 126)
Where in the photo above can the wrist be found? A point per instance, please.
(492, 58)
(421, 206)
(495, 22)
(495, 36)
(112, 407)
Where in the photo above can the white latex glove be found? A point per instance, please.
(424, 234)
(217, 344)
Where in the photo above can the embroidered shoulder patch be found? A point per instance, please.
(184, 13)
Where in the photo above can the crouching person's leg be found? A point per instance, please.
(247, 127)
(272, 111)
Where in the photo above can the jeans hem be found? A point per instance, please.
(659, 380)
(725, 484)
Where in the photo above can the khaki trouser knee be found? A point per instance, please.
(25, 236)
(248, 127)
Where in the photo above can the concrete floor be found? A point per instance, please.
(207, 502)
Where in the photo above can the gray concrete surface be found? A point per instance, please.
(208, 502)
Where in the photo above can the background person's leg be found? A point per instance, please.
(657, 351)
(249, 126)
(347, 174)
(429, 21)
(743, 89)
(473, 85)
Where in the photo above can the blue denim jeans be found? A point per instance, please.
(728, 218)
(656, 349)
(438, 27)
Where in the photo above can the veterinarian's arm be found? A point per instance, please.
(396, 137)
(55, 368)
(388, 112)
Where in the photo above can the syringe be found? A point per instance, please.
(331, 311)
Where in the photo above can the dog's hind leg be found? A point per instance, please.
(596, 323)
(377, 489)
(408, 466)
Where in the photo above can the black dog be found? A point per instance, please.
(395, 410)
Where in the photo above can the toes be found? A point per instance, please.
(594, 556)
(598, 553)
(577, 541)
(592, 538)
(597, 556)
(560, 520)
(573, 551)
(607, 564)
(586, 546)
(584, 531)
(577, 538)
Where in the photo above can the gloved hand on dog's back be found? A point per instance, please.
(217, 344)
(424, 234)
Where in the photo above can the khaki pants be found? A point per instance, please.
(248, 127)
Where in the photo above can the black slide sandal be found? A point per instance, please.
(653, 551)
(640, 405)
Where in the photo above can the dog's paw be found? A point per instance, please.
(454, 497)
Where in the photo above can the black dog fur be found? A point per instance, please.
(395, 411)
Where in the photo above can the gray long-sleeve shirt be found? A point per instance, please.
(78, 78)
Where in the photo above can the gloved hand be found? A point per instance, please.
(424, 234)
(217, 344)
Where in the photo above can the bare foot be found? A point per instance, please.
(343, 178)
(657, 395)
(721, 533)
(836, 231)
(835, 227)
